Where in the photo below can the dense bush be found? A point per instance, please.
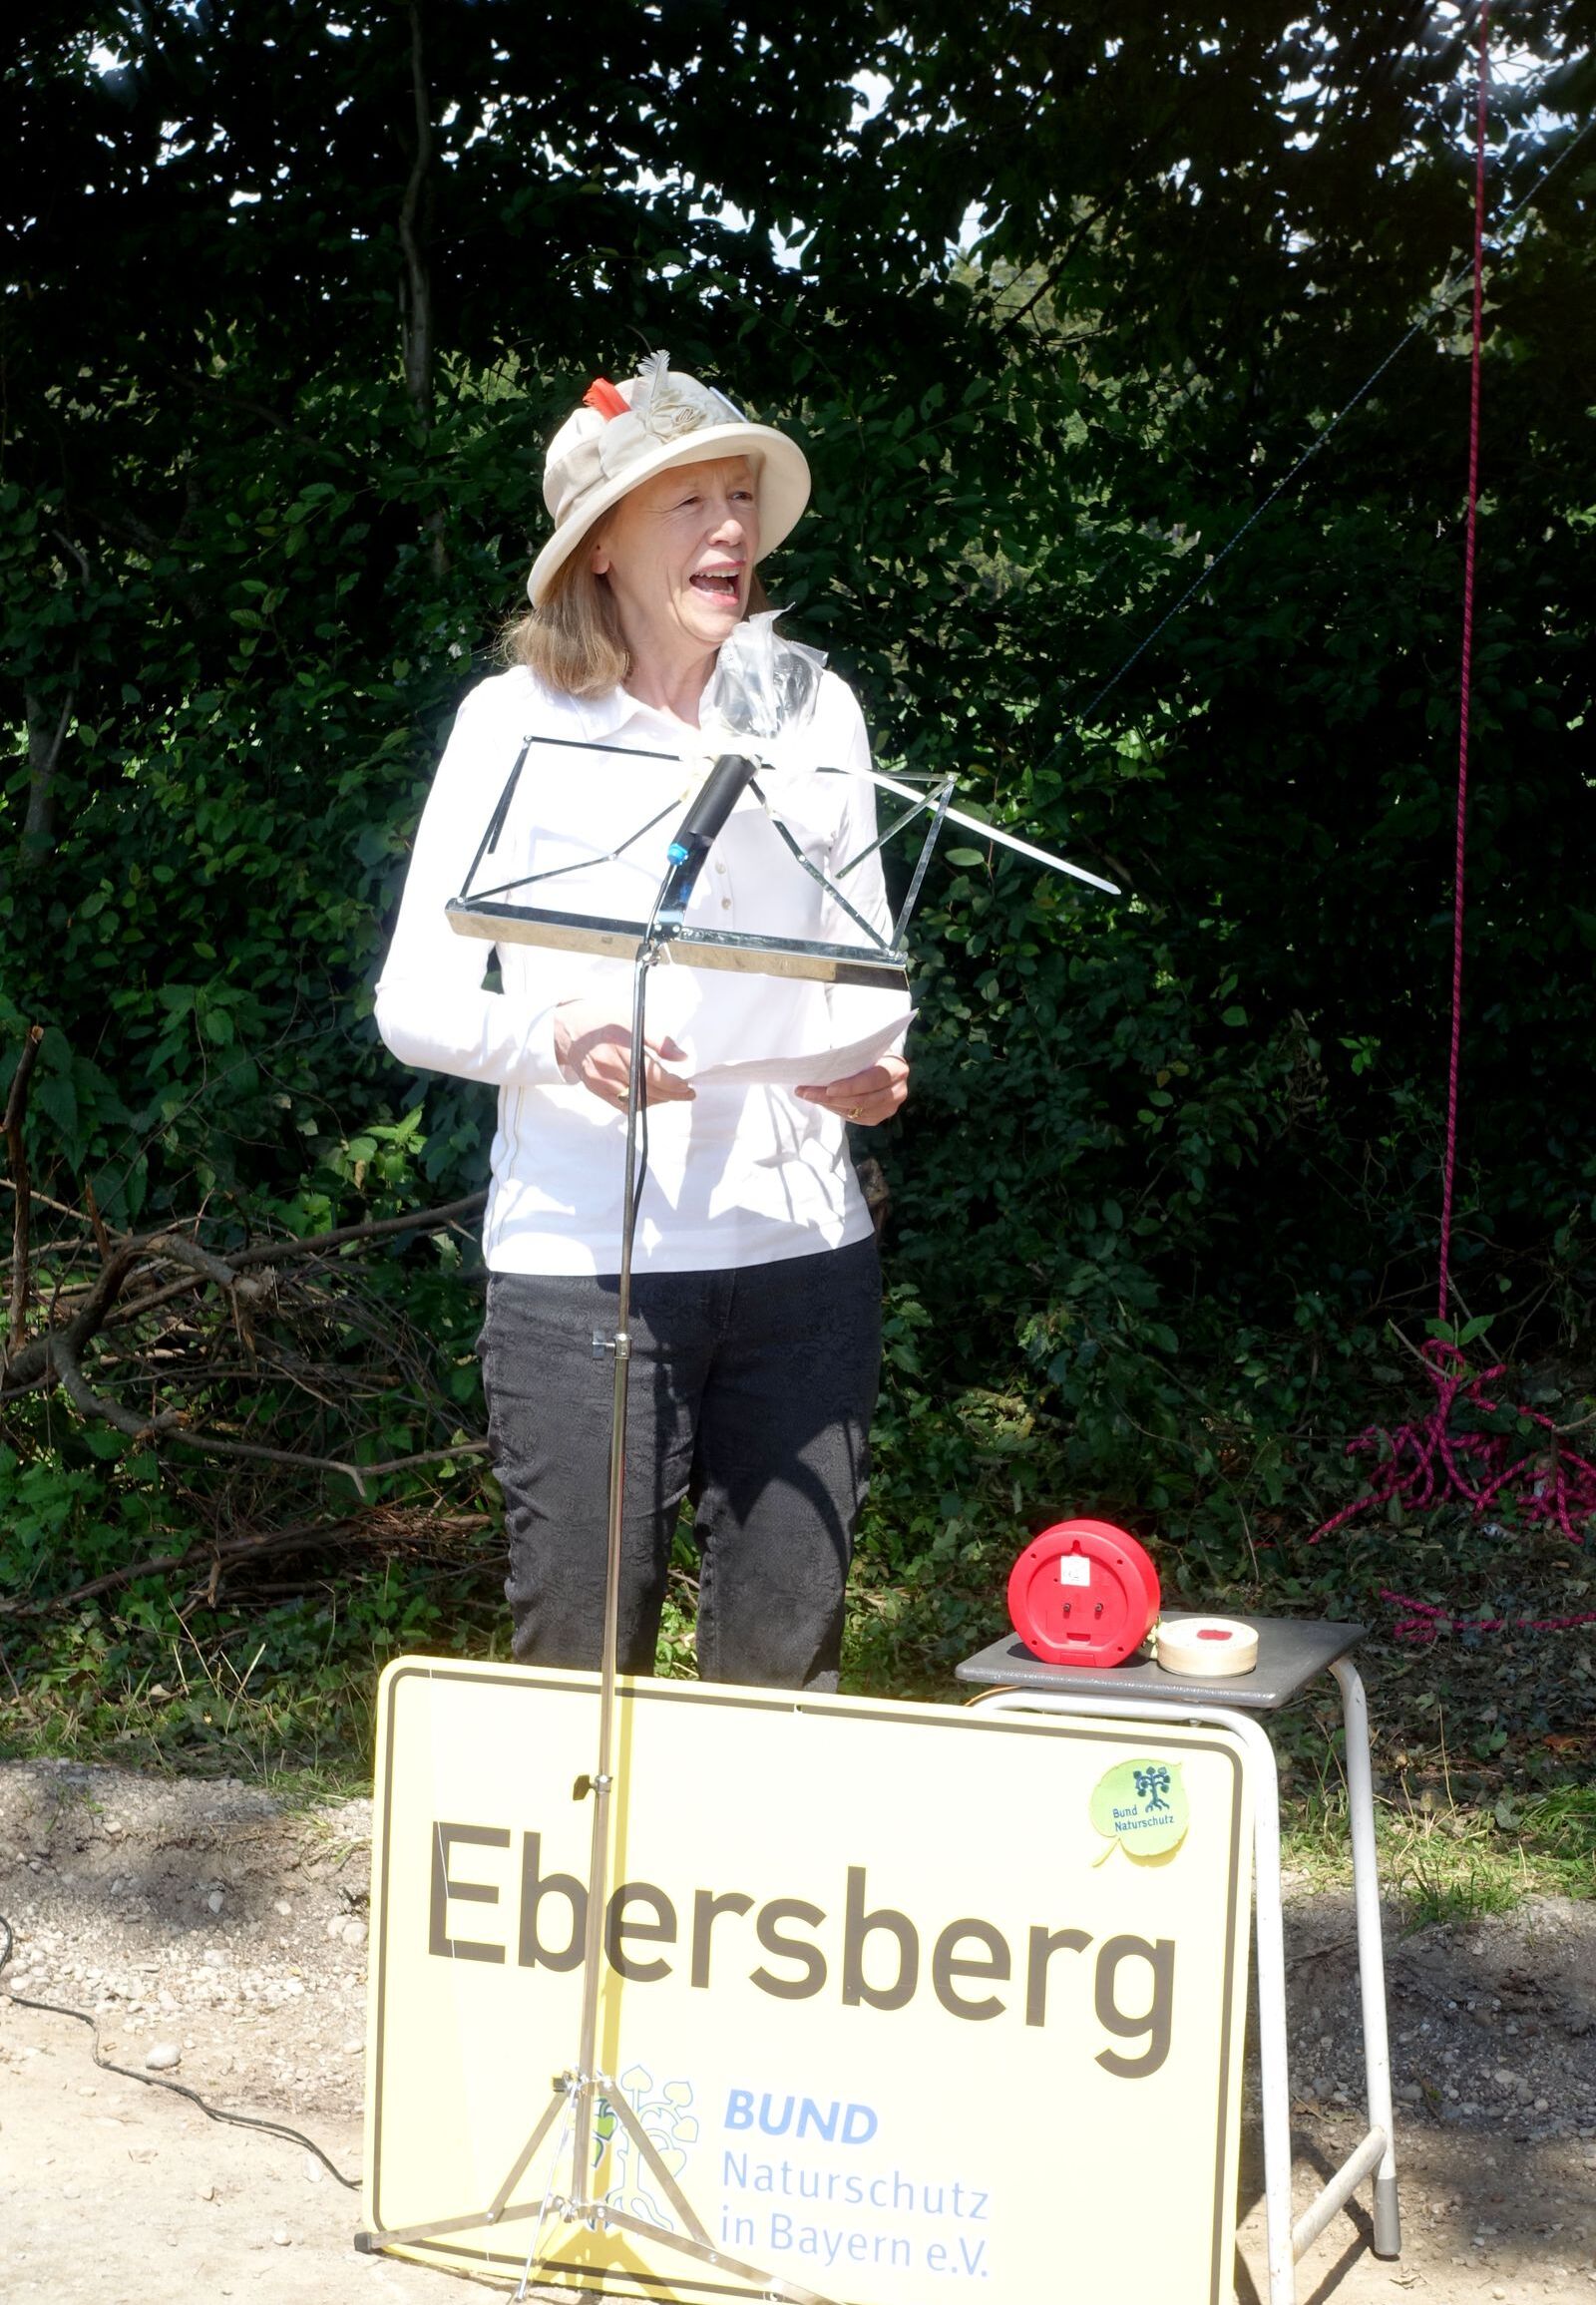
(1170, 1166)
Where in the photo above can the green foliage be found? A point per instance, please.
(1169, 1175)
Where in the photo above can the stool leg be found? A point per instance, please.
(1371, 1953)
(1272, 2037)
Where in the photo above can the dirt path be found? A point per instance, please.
(199, 1917)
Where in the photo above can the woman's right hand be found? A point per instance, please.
(593, 1049)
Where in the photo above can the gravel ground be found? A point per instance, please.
(221, 1939)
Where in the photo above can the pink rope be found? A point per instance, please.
(1466, 676)
(1429, 1462)
(1424, 1621)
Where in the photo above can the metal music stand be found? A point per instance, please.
(580, 2090)
(496, 915)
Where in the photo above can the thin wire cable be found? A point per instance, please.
(1548, 171)
(1466, 682)
(159, 2081)
(640, 1174)
(1442, 305)
(1251, 522)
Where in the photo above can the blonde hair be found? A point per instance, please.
(574, 643)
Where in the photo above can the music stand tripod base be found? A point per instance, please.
(579, 2089)
(597, 2214)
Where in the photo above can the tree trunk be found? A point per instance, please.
(415, 217)
(47, 733)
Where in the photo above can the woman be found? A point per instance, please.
(755, 1296)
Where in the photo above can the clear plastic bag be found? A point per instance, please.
(762, 685)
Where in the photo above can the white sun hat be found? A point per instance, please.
(625, 433)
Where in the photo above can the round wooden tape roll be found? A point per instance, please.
(1206, 1648)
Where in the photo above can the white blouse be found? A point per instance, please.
(738, 1176)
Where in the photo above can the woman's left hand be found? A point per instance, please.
(868, 1097)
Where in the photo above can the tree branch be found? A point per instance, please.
(418, 281)
(63, 1368)
(208, 1443)
(1009, 322)
(317, 1244)
(415, 215)
(44, 753)
(33, 1364)
(61, 1208)
(222, 1552)
(56, 1355)
(173, 1425)
(381, 1228)
(30, 1367)
(97, 1221)
(16, 1107)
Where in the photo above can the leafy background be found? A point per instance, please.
(294, 293)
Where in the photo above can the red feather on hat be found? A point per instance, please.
(602, 394)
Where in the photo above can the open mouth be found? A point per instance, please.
(716, 584)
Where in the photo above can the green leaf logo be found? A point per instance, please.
(1140, 1807)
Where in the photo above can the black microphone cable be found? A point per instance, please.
(157, 2081)
(696, 835)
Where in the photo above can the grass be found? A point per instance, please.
(1444, 1861)
(1484, 1743)
(1450, 1850)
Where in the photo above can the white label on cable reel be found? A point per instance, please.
(1207, 1647)
(1074, 1569)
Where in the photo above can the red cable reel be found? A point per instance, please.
(1083, 1593)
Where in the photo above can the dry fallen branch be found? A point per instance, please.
(319, 1244)
(380, 1229)
(174, 1425)
(43, 1201)
(16, 1107)
(218, 1553)
(300, 1294)
(62, 1365)
(38, 1360)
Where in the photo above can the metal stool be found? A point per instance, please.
(1291, 1654)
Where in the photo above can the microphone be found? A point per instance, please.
(700, 828)
(762, 686)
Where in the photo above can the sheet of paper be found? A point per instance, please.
(818, 1069)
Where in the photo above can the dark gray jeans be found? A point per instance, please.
(751, 1393)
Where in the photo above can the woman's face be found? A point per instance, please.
(679, 553)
